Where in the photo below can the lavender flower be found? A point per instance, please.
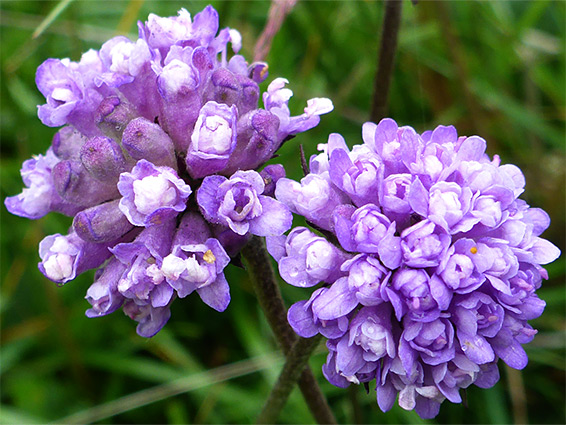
(151, 194)
(238, 203)
(438, 259)
(40, 196)
(213, 139)
(305, 259)
(196, 263)
(156, 164)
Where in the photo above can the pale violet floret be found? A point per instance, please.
(357, 173)
(306, 259)
(125, 60)
(276, 99)
(213, 139)
(151, 194)
(315, 197)
(199, 267)
(196, 263)
(59, 265)
(140, 282)
(40, 196)
(166, 31)
(63, 257)
(175, 77)
(239, 203)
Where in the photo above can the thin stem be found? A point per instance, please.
(386, 59)
(296, 361)
(277, 13)
(271, 302)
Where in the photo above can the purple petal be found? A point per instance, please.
(276, 246)
(418, 198)
(386, 395)
(301, 320)
(207, 198)
(336, 141)
(161, 295)
(335, 302)
(472, 149)
(292, 270)
(217, 294)
(476, 348)
(349, 358)
(342, 226)
(544, 251)
(444, 134)
(275, 219)
(510, 351)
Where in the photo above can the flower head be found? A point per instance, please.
(439, 262)
(156, 161)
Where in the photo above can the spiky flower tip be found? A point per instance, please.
(429, 263)
(156, 162)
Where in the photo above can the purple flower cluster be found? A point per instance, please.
(155, 161)
(429, 263)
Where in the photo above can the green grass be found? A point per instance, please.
(490, 68)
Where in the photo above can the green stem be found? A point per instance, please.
(271, 302)
(297, 359)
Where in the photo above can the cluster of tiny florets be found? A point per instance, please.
(429, 263)
(156, 162)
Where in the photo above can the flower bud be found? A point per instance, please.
(250, 95)
(257, 141)
(258, 71)
(202, 61)
(143, 139)
(271, 174)
(101, 223)
(113, 115)
(75, 185)
(65, 257)
(225, 87)
(103, 294)
(103, 159)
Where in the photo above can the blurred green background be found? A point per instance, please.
(490, 68)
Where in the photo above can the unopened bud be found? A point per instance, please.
(270, 175)
(103, 159)
(258, 71)
(75, 185)
(250, 95)
(225, 87)
(143, 139)
(101, 223)
(113, 115)
(257, 141)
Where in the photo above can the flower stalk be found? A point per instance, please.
(271, 302)
(386, 59)
(297, 359)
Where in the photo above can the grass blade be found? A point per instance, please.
(50, 18)
(170, 389)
